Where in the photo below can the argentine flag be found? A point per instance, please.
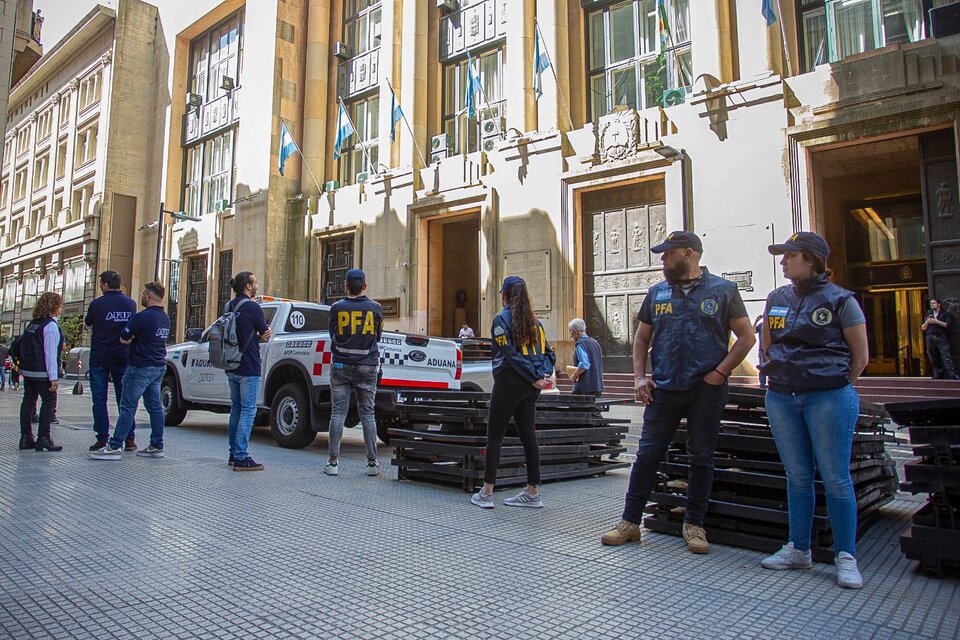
(287, 146)
(541, 62)
(344, 130)
(473, 88)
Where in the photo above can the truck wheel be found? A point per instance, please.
(290, 417)
(173, 415)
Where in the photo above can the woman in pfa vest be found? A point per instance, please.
(815, 339)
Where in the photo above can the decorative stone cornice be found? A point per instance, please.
(74, 84)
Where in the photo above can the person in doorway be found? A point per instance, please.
(936, 332)
(816, 347)
(252, 329)
(356, 323)
(465, 331)
(38, 353)
(523, 362)
(106, 317)
(146, 333)
(587, 375)
(686, 320)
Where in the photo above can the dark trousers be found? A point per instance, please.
(938, 350)
(99, 376)
(33, 389)
(512, 397)
(701, 406)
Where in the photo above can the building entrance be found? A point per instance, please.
(453, 275)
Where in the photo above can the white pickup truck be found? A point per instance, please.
(295, 388)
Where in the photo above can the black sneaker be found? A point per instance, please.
(247, 464)
(130, 445)
(231, 460)
(99, 444)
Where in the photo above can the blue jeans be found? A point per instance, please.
(702, 406)
(243, 409)
(363, 380)
(814, 431)
(140, 382)
(99, 376)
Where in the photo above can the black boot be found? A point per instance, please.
(47, 444)
(27, 442)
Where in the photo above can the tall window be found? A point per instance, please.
(215, 55)
(9, 294)
(61, 168)
(361, 25)
(831, 30)
(7, 151)
(41, 169)
(30, 283)
(225, 293)
(82, 203)
(4, 193)
(173, 297)
(65, 99)
(197, 296)
(44, 125)
(210, 171)
(23, 140)
(86, 146)
(630, 62)
(359, 152)
(20, 183)
(74, 281)
(90, 90)
(465, 134)
(36, 217)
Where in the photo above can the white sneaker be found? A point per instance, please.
(105, 453)
(848, 575)
(789, 557)
(331, 469)
(373, 468)
(524, 499)
(482, 500)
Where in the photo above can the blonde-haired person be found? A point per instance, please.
(38, 351)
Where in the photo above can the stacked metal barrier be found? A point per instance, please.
(748, 504)
(441, 437)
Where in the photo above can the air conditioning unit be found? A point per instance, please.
(448, 5)
(489, 144)
(673, 97)
(194, 100)
(342, 50)
(439, 147)
(493, 127)
(361, 177)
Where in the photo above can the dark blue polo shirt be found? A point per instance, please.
(149, 329)
(107, 316)
(250, 326)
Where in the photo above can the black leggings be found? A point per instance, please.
(512, 397)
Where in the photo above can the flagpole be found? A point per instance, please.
(673, 43)
(302, 157)
(363, 148)
(486, 102)
(783, 36)
(553, 70)
(409, 128)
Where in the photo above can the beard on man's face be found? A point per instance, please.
(677, 272)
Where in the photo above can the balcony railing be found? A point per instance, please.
(211, 117)
(473, 26)
(359, 73)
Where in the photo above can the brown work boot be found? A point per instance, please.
(696, 538)
(622, 533)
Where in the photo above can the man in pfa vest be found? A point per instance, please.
(686, 321)
(106, 317)
(355, 328)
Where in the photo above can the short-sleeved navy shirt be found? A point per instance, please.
(250, 326)
(107, 316)
(149, 329)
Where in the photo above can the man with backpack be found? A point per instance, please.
(147, 334)
(356, 323)
(235, 347)
(106, 317)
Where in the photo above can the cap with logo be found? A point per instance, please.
(356, 276)
(679, 240)
(803, 241)
(509, 281)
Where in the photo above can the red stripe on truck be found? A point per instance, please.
(419, 384)
(317, 368)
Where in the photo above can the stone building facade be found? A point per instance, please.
(81, 162)
(838, 117)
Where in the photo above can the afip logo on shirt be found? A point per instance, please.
(709, 306)
(822, 317)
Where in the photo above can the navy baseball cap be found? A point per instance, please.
(355, 276)
(803, 241)
(509, 281)
(679, 240)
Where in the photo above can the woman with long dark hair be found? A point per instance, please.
(523, 362)
(815, 338)
(38, 352)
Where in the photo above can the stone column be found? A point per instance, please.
(411, 85)
(389, 36)
(756, 42)
(553, 108)
(518, 71)
(710, 34)
(315, 90)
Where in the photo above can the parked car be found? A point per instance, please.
(478, 366)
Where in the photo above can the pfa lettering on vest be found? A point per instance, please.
(359, 323)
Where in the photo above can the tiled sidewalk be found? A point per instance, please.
(185, 548)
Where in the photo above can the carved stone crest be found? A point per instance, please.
(619, 135)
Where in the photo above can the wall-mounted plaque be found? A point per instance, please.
(391, 307)
(534, 267)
